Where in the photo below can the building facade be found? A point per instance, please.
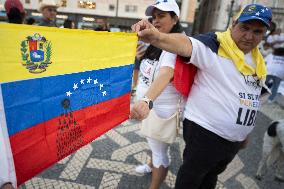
(119, 13)
(217, 15)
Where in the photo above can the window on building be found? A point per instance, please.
(111, 7)
(130, 8)
(28, 1)
(281, 4)
(87, 4)
(63, 3)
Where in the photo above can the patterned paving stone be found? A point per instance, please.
(220, 185)
(170, 179)
(76, 164)
(142, 157)
(246, 182)
(114, 166)
(65, 160)
(233, 168)
(274, 111)
(128, 128)
(39, 183)
(101, 137)
(122, 153)
(117, 138)
(110, 160)
(110, 180)
(181, 144)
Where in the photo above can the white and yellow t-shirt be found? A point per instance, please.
(222, 100)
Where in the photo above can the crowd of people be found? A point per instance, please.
(273, 51)
(48, 8)
(231, 71)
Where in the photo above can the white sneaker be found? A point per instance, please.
(142, 169)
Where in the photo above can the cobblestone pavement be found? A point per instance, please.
(109, 161)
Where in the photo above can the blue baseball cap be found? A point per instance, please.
(256, 12)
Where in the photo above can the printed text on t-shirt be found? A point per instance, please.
(247, 112)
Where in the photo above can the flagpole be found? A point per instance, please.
(117, 4)
(230, 13)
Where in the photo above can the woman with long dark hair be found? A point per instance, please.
(155, 89)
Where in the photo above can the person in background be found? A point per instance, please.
(155, 89)
(135, 76)
(265, 49)
(101, 25)
(16, 15)
(223, 101)
(48, 8)
(69, 24)
(30, 21)
(140, 51)
(15, 11)
(275, 62)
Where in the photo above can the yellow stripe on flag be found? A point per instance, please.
(33, 51)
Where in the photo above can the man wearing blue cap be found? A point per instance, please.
(222, 105)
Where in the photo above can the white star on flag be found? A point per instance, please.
(82, 81)
(266, 9)
(75, 86)
(95, 81)
(257, 14)
(89, 80)
(262, 10)
(101, 86)
(68, 93)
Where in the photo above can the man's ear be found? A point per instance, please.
(235, 22)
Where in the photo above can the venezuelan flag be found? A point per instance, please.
(60, 89)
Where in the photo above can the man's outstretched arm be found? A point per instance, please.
(174, 42)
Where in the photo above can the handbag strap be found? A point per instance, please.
(178, 114)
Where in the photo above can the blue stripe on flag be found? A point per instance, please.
(30, 102)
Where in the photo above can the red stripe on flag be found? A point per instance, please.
(42, 145)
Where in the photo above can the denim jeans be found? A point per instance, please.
(275, 85)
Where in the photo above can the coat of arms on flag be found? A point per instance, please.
(36, 53)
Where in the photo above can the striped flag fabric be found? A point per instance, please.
(59, 90)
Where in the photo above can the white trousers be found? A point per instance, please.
(159, 153)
